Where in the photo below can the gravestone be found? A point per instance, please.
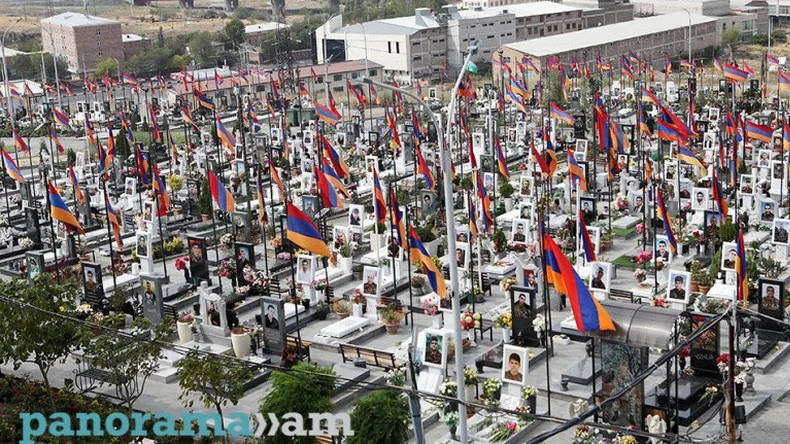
(198, 264)
(274, 326)
(153, 305)
(213, 313)
(33, 228)
(705, 349)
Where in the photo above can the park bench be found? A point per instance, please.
(304, 350)
(376, 358)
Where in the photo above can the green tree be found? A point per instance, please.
(35, 333)
(234, 32)
(122, 147)
(204, 200)
(731, 37)
(201, 46)
(305, 389)
(382, 417)
(131, 361)
(108, 66)
(160, 38)
(215, 380)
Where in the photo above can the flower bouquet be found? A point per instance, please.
(504, 320)
(396, 377)
(284, 256)
(505, 284)
(640, 228)
(226, 241)
(182, 263)
(529, 392)
(227, 269)
(622, 203)
(358, 297)
(504, 430)
(186, 318)
(659, 302)
(470, 320)
(723, 363)
(640, 274)
(448, 388)
(430, 304)
(643, 257)
(470, 376)
(276, 242)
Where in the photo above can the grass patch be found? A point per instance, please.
(623, 232)
(626, 261)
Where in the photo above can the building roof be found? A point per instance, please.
(9, 52)
(535, 8)
(337, 68)
(264, 27)
(477, 13)
(592, 37)
(422, 19)
(75, 19)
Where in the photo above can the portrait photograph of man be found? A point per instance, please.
(514, 364)
(433, 354)
(766, 210)
(355, 215)
(488, 182)
(522, 306)
(92, 279)
(764, 159)
(149, 292)
(685, 189)
(670, 170)
(729, 254)
(370, 285)
(519, 231)
(142, 245)
(777, 173)
(461, 255)
(196, 251)
(747, 183)
(130, 186)
(270, 318)
(305, 271)
(310, 205)
(525, 188)
(428, 202)
(679, 286)
(769, 295)
(699, 199)
(600, 277)
(780, 231)
(661, 251)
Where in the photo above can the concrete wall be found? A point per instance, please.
(84, 46)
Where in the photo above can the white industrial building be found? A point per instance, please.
(417, 46)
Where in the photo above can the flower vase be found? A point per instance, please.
(344, 263)
(531, 404)
(357, 310)
(436, 322)
(241, 344)
(738, 392)
(186, 274)
(471, 392)
(749, 379)
(469, 336)
(184, 332)
(682, 364)
(453, 429)
(506, 335)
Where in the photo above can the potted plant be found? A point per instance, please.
(341, 307)
(705, 282)
(506, 190)
(492, 391)
(204, 201)
(321, 310)
(417, 284)
(607, 240)
(391, 317)
(240, 339)
(451, 419)
(184, 327)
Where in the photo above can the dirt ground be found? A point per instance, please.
(140, 20)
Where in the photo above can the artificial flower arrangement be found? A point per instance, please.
(358, 297)
(504, 320)
(528, 392)
(448, 388)
(640, 227)
(186, 318)
(643, 257)
(539, 323)
(470, 376)
(182, 262)
(640, 274)
(723, 362)
(430, 304)
(227, 269)
(276, 242)
(505, 284)
(504, 430)
(490, 387)
(396, 377)
(284, 256)
(258, 279)
(226, 241)
(659, 302)
(622, 203)
(470, 320)
(319, 284)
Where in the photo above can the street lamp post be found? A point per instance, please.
(54, 64)
(451, 240)
(689, 39)
(9, 102)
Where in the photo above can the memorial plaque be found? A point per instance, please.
(198, 264)
(705, 349)
(33, 227)
(245, 255)
(522, 306)
(770, 303)
(35, 264)
(273, 319)
(92, 282)
(153, 306)
(620, 364)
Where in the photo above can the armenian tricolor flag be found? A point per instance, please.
(415, 124)
(161, 191)
(75, 183)
(588, 313)
(786, 136)
(667, 131)
(19, 142)
(544, 168)
(142, 165)
(577, 173)
(187, 117)
(740, 268)
(420, 255)
(61, 118)
(379, 204)
(326, 114)
(223, 197)
(689, 157)
(340, 165)
(717, 64)
(60, 211)
(276, 179)
(333, 178)
(784, 81)
(303, 232)
(718, 196)
(558, 113)
(154, 128)
(485, 203)
(10, 167)
(760, 132)
(114, 218)
(473, 231)
(501, 160)
(664, 215)
(264, 216)
(204, 101)
(735, 74)
(328, 192)
(587, 246)
(396, 215)
(226, 137)
(422, 168)
(772, 59)
(55, 140)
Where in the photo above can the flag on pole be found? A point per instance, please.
(10, 167)
(76, 184)
(664, 215)
(380, 205)
(396, 215)
(60, 211)
(114, 218)
(55, 141)
(422, 167)
(19, 142)
(420, 255)
(224, 199)
(587, 246)
(226, 137)
(718, 196)
(303, 232)
(740, 267)
(328, 193)
(61, 118)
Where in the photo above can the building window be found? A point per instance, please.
(507, 59)
(98, 32)
(337, 77)
(319, 79)
(373, 72)
(389, 47)
(397, 47)
(567, 26)
(337, 89)
(529, 31)
(490, 37)
(101, 53)
(354, 75)
(417, 58)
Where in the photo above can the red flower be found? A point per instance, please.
(685, 352)
(723, 358)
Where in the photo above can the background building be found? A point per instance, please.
(82, 39)
(651, 38)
